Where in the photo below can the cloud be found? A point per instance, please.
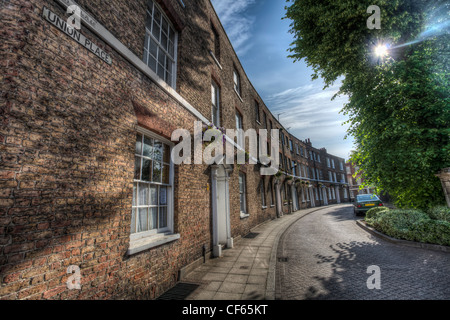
(310, 112)
(237, 23)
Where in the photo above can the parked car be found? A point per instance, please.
(365, 202)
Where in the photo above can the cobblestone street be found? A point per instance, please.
(325, 255)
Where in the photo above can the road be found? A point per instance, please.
(325, 255)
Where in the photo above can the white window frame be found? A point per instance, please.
(147, 51)
(148, 239)
(240, 129)
(258, 112)
(215, 103)
(242, 195)
(237, 82)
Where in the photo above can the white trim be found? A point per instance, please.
(215, 59)
(239, 96)
(244, 215)
(143, 244)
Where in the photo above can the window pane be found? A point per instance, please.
(145, 56)
(156, 29)
(153, 218)
(153, 196)
(150, 7)
(164, 41)
(148, 147)
(165, 26)
(161, 71)
(152, 63)
(153, 48)
(143, 194)
(148, 23)
(242, 200)
(146, 170)
(138, 144)
(161, 57)
(213, 95)
(163, 196)
(166, 174)
(156, 172)
(169, 78)
(163, 217)
(137, 168)
(171, 35)
(171, 49)
(158, 151)
(143, 220)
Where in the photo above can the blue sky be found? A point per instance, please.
(261, 39)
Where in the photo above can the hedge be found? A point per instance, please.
(413, 225)
(374, 212)
(440, 213)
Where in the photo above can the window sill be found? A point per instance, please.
(239, 96)
(244, 215)
(264, 207)
(146, 243)
(215, 59)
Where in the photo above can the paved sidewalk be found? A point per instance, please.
(246, 272)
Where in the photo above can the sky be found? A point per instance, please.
(261, 40)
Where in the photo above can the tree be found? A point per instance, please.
(398, 109)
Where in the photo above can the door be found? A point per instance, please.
(221, 231)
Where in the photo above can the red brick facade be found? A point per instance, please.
(67, 139)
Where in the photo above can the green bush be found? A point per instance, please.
(374, 212)
(440, 213)
(398, 223)
(432, 231)
(412, 225)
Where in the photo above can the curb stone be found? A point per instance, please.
(429, 246)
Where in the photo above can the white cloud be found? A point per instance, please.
(310, 112)
(236, 22)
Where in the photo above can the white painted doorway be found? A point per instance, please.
(220, 194)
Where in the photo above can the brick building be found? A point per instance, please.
(355, 181)
(86, 177)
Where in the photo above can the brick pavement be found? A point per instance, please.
(246, 272)
(328, 256)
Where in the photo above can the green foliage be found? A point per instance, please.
(374, 212)
(398, 110)
(413, 225)
(432, 231)
(440, 213)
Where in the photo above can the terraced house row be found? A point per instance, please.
(88, 190)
